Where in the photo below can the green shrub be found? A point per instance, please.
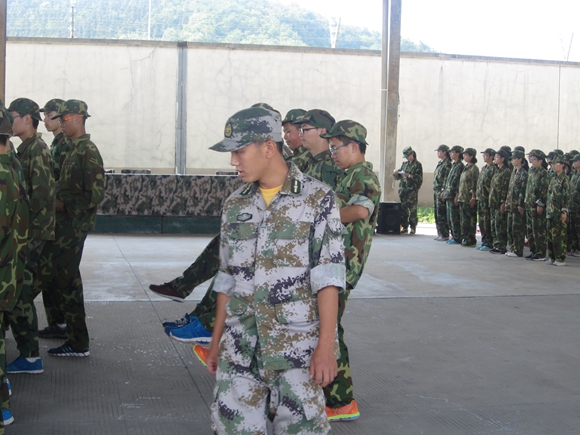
(426, 215)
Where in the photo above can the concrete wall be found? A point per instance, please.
(131, 89)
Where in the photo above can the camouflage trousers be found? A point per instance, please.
(454, 220)
(516, 227)
(536, 232)
(60, 277)
(204, 267)
(468, 217)
(484, 215)
(339, 392)
(556, 239)
(499, 229)
(574, 231)
(244, 399)
(440, 211)
(408, 208)
(3, 380)
(23, 318)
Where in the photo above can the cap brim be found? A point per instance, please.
(227, 145)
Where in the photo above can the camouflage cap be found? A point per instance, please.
(489, 151)
(471, 151)
(351, 129)
(293, 115)
(507, 149)
(576, 158)
(77, 107)
(574, 152)
(457, 149)
(317, 118)
(518, 154)
(518, 148)
(504, 152)
(52, 105)
(5, 122)
(558, 152)
(550, 155)
(25, 106)
(407, 151)
(539, 154)
(559, 159)
(443, 147)
(248, 126)
(266, 106)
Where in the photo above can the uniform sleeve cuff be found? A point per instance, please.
(326, 275)
(224, 283)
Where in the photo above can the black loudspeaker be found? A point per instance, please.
(389, 219)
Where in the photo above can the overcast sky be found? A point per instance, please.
(504, 28)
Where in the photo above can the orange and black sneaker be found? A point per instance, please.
(201, 353)
(344, 413)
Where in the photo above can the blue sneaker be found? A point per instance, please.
(9, 387)
(485, 248)
(193, 332)
(7, 416)
(22, 365)
(185, 320)
(452, 242)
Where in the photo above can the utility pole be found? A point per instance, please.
(390, 102)
(72, 18)
(3, 14)
(149, 23)
(334, 24)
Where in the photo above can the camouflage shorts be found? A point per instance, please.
(243, 402)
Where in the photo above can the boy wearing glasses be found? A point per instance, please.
(78, 194)
(37, 167)
(358, 195)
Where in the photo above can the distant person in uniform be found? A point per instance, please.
(410, 175)
(439, 207)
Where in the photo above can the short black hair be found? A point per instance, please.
(35, 122)
(345, 140)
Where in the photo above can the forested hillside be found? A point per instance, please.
(230, 21)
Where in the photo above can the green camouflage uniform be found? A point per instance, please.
(322, 168)
(536, 195)
(81, 189)
(60, 145)
(274, 260)
(440, 209)
(515, 201)
(14, 226)
(449, 193)
(468, 214)
(558, 196)
(497, 195)
(301, 157)
(409, 192)
(574, 215)
(482, 196)
(37, 167)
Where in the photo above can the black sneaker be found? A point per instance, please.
(166, 291)
(66, 350)
(53, 331)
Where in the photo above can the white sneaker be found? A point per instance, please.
(559, 263)
(511, 254)
(548, 262)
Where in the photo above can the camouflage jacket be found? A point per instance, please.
(322, 168)
(575, 194)
(13, 233)
(37, 166)
(273, 262)
(82, 184)
(452, 180)
(483, 183)
(468, 183)
(558, 196)
(537, 188)
(498, 187)
(360, 186)
(60, 145)
(408, 184)
(440, 174)
(300, 157)
(517, 190)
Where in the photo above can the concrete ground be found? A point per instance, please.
(443, 340)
